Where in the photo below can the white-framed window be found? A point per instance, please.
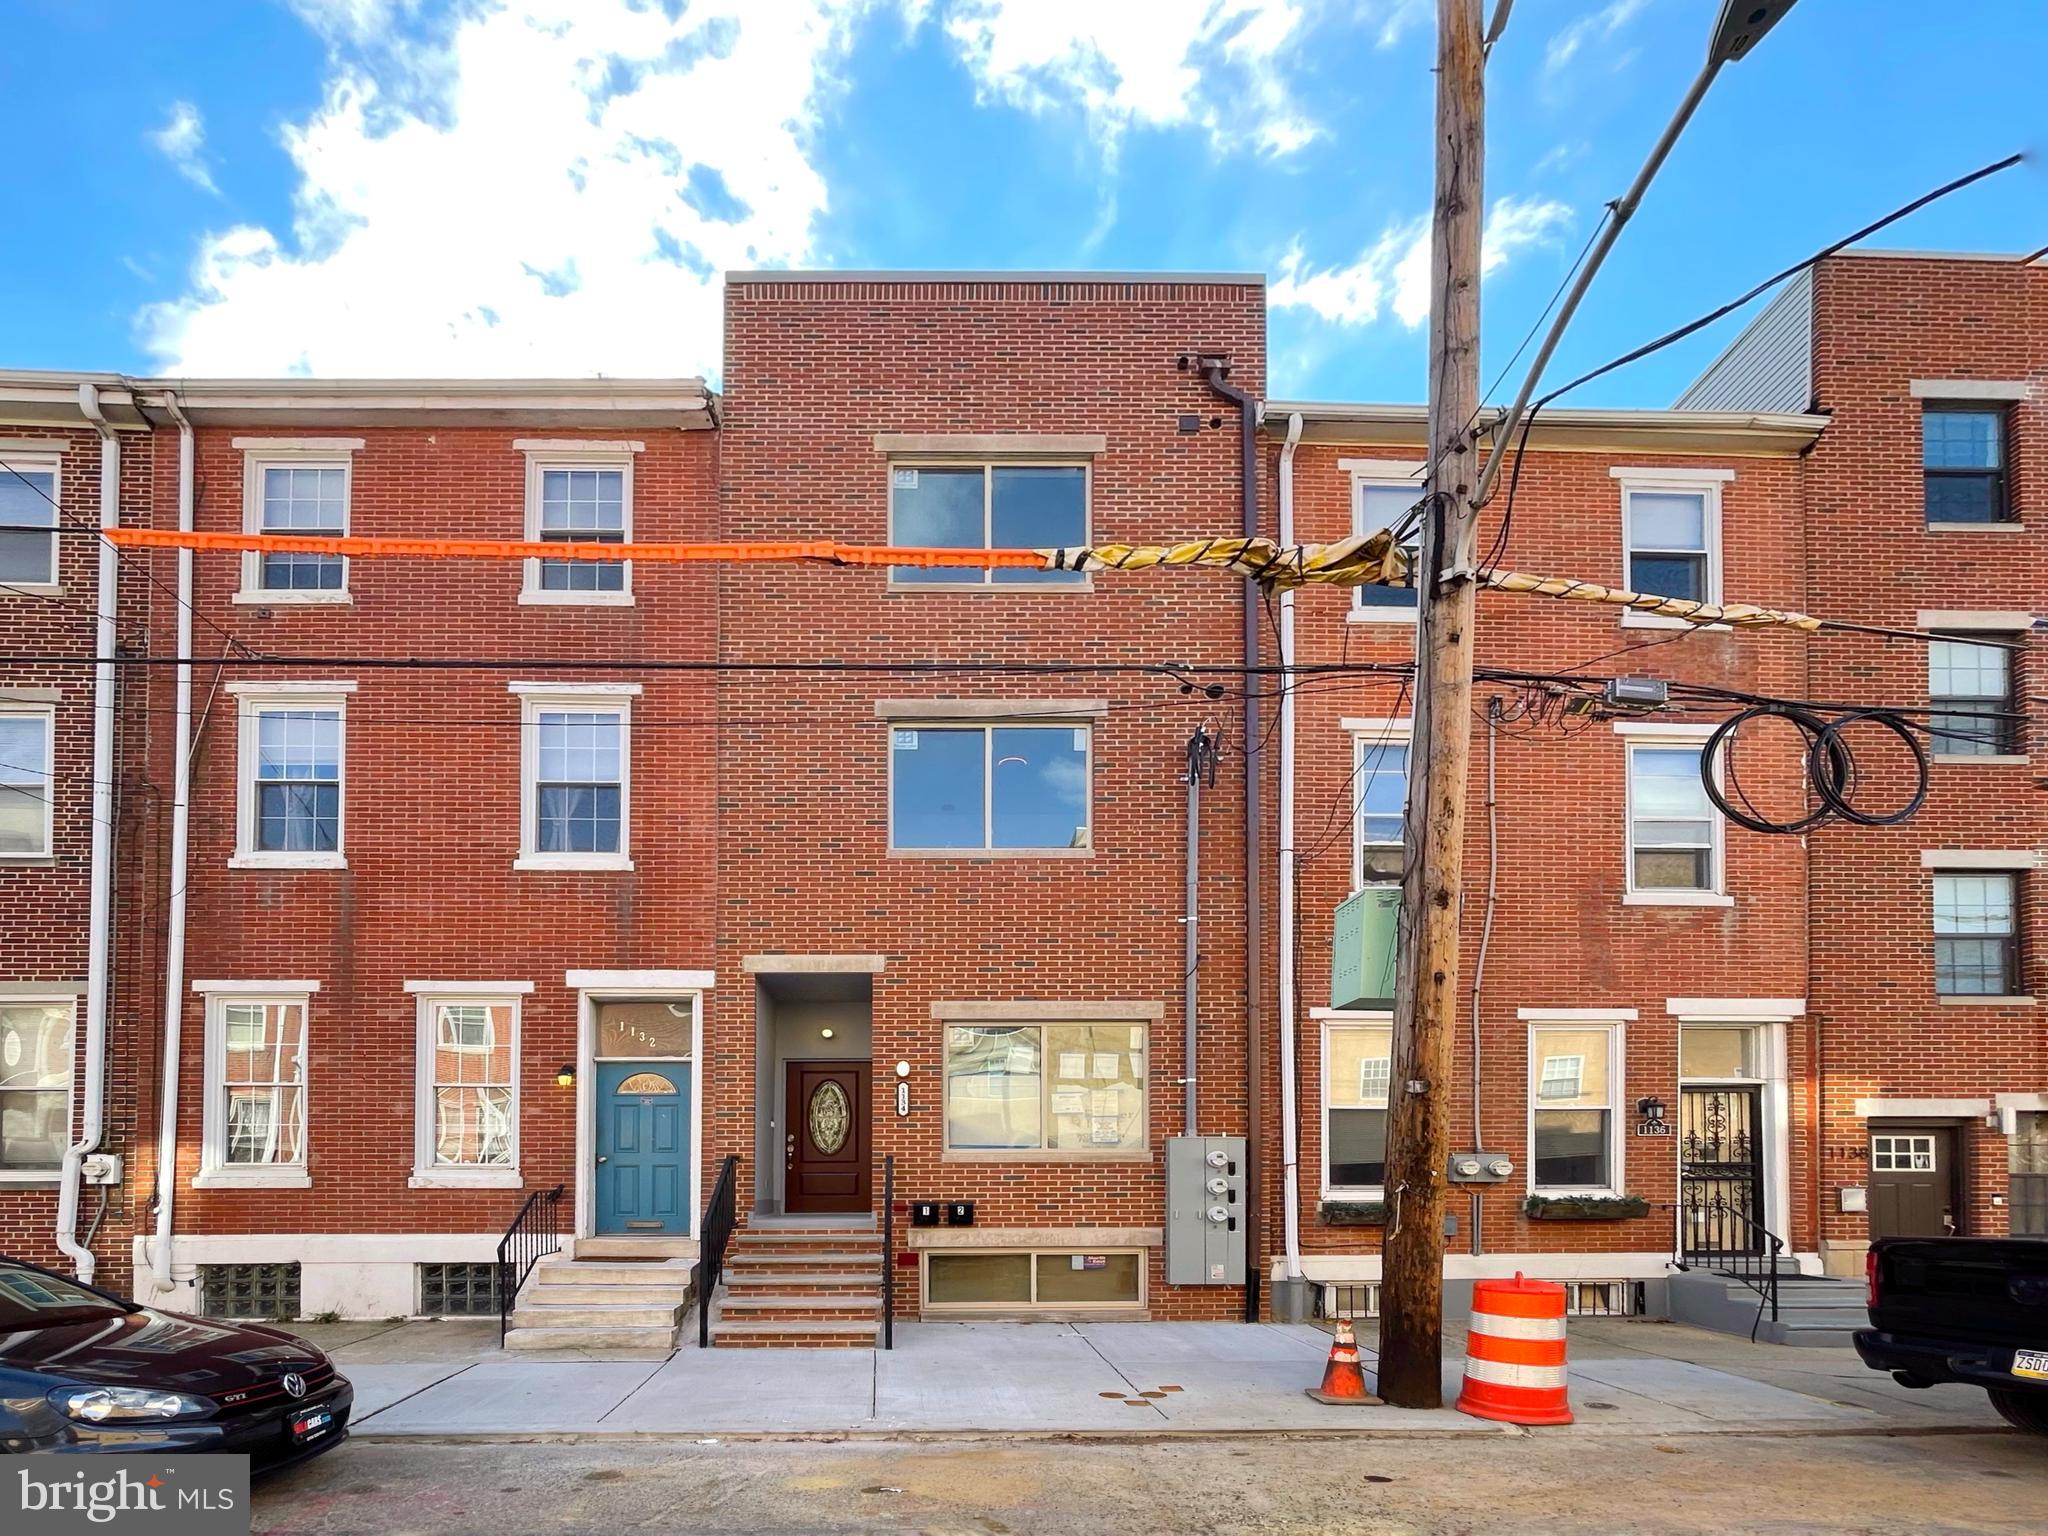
(1970, 694)
(1976, 934)
(254, 1124)
(1379, 797)
(1044, 1091)
(1574, 1125)
(467, 1106)
(579, 493)
(30, 484)
(575, 777)
(1674, 837)
(37, 1035)
(1383, 494)
(1671, 536)
(28, 736)
(954, 504)
(290, 760)
(990, 1280)
(296, 485)
(1901, 1154)
(1357, 1072)
(994, 787)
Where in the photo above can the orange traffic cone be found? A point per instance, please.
(1343, 1377)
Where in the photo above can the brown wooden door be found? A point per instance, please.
(826, 1144)
(1913, 1181)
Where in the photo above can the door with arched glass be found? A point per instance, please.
(643, 1118)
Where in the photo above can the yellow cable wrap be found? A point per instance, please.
(1737, 615)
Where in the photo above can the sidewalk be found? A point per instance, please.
(1627, 1377)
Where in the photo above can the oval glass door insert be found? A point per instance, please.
(831, 1117)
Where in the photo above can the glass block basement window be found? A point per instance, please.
(249, 1290)
(458, 1290)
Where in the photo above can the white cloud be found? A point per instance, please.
(1392, 274)
(1592, 27)
(182, 141)
(1398, 16)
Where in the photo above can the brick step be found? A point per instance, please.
(613, 1272)
(662, 1339)
(798, 1241)
(531, 1314)
(743, 1308)
(814, 1263)
(774, 1335)
(812, 1282)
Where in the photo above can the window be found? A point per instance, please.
(1671, 537)
(1902, 1154)
(1674, 833)
(981, 1280)
(1962, 454)
(468, 1102)
(1572, 1072)
(2027, 1165)
(989, 788)
(576, 797)
(289, 808)
(1357, 1070)
(1976, 945)
(1717, 1051)
(579, 493)
(253, 1127)
(987, 506)
(254, 1291)
(1969, 688)
(35, 1083)
(26, 770)
(458, 1290)
(28, 501)
(1377, 504)
(295, 485)
(1067, 1090)
(1380, 780)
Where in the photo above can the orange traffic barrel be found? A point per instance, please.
(1514, 1353)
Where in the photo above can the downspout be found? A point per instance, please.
(1191, 939)
(1485, 938)
(100, 921)
(181, 813)
(1290, 1117)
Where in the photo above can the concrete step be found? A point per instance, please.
(612, 1246)
(531, 1314)
(613, 1272)
(592, 1338)
(1809, 1333)
(606, 1295)
(774, 1335)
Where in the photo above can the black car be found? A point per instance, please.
(1963, 1309)
(82, 1370)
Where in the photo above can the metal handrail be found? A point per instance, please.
(534, 1234)
(1747, 1250)
(721, 1215)
(889, 1251)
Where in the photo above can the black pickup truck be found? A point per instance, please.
(1966, 1309)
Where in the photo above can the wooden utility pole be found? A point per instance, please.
(1426, 991)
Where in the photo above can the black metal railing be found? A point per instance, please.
(1711, 1232)
(721, 1214)
(535, 1233)
(889, 1251)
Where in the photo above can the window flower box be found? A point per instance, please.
(1353, 1213)
(1585, 1207)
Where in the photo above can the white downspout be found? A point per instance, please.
(181, 814)
(99, 941)
(1290, 1123)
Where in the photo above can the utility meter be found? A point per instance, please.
(1206, 1215)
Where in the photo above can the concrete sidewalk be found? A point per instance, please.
(1627, 1377)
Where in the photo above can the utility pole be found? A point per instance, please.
(1426, 988)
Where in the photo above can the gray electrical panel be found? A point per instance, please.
(1206, 1214)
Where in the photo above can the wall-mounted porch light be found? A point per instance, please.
(825, 1033)
(565, 1075)
(1650, 1119)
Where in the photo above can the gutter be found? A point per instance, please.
(181, 817)
(1290, 1116)
(100, 923)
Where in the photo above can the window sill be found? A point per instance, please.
(1986, 1000)
(2006, 525)
(32, 589)
(28, 861)
(969, 855)
(1041, 1155)
(1676, 899)
(1380, 616)
(252, 1178)
(570, 862)
(330, 597)
(31, 1178)
(465, 1178)
(1991, 759)
(535, 597)
(1632, 618)
(288, 861)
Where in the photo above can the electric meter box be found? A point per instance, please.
(1206, 1215)
(1363, 943)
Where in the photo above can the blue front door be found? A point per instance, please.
(643, 1147)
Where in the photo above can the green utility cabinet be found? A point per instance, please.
(1363, 944)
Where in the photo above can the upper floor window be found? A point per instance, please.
(253, 1130)
(987, 506)
(1970, 691)
(1386, 503)
(576, 775)
(290, 754)
(1674, 832)
(1380, 796)
(35, 1083)
(28, 503)
(1962, 454)
(579, 493)
(1976, 934)
(989, 788)
(26, 737)
(1671, 536)
(295, 486)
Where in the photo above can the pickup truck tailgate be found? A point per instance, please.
(1993, 1290)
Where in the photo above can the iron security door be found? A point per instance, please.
(643, 1147)
(826, 1142)
(1720, 1150)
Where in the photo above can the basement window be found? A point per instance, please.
(458, 1290)
(984, 1280)
(252, 1292)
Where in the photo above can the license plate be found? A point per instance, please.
(2030, 1362)
(311, 1426)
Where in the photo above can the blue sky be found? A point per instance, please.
(351, 187)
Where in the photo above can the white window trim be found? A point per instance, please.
(2013, 626)
(1350, 1020)
(1367, 734)
(47, 713)
(264, 453)
(426, 1173)
(17, 1177)
(533, 699)
(1380, 474)
(252, 701)
(1964, 860)
(542, 456)
(1667, 734)
(1705, 483)
(1614, 1022)
(50, 462)
(988, 464)
(988, 726)
(215, 1172)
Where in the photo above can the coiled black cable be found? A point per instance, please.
(1831, 769)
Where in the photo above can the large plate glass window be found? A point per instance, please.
(25, 772)
(1970, 693)
(1060, 1089)
(1357, 1070)
(1962, 456)
(989, 787)
(1571, 1108)
(1976, 944)
(28, 503)
(35, 1084)
(987, 506)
